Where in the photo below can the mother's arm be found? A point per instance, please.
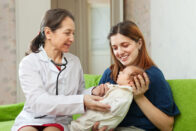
(154, 114)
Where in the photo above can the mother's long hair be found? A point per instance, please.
(130, 30)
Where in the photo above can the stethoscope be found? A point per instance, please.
(63, 64)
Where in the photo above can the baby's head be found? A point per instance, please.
(126, 75)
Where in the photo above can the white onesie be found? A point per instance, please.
(119, 98)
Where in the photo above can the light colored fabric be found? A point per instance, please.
(38, 81)
(119, 98)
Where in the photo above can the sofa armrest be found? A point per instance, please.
(9, 112)
(184, 91)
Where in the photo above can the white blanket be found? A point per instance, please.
(119, 98)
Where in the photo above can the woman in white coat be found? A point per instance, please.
(52, 79)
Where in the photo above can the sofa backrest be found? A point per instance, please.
(91, 80)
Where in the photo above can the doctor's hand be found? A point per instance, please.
(92, 102)
(100, 90)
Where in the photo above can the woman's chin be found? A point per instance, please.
(125, 63)
(65, 50)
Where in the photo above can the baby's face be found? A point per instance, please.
(124, 76)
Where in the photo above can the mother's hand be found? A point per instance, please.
(92, 102)
(140, 85)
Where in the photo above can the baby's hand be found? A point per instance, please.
(100, 90)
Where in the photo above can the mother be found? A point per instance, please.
(153, 107)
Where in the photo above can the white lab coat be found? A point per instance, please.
(38, 77)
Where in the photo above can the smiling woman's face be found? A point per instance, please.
(62, 38)
(125, 49)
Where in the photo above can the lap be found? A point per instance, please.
(44, 127)
(131, 128)
(39, 128)
(28, 128)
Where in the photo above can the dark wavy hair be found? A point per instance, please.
(52, 20)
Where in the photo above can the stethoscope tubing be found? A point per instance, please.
(65, 65)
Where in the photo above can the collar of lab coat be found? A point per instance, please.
(44, 57)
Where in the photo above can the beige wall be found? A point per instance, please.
(28, 20)
(7, 52)
(138, 11)
(19, 23)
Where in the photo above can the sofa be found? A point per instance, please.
(184, 93)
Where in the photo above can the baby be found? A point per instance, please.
(119, 97)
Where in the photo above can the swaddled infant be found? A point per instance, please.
(119, 97)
